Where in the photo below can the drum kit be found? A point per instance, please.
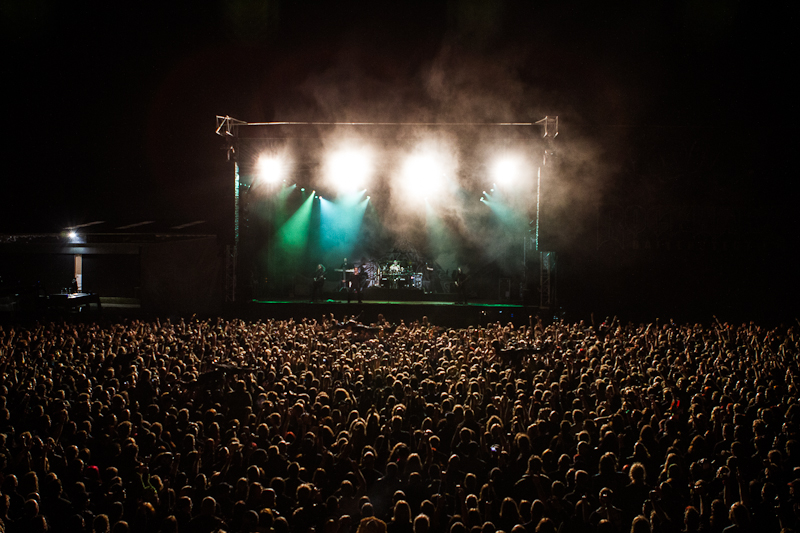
(387, 274)
(396, 275)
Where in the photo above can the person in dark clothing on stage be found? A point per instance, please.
(319, 281)
(461, 285)
(356, 282)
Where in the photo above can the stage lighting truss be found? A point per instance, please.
(348, 169)
(228, 128)
(550, 125)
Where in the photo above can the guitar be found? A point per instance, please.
(460, 283)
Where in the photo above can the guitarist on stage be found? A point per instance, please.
(319, 281)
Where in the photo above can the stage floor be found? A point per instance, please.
(438, 312)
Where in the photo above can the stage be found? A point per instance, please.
(439, 311)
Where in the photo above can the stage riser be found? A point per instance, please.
(380, 294)
(456, 316)
(404, 295)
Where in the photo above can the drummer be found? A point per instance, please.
(394, 273)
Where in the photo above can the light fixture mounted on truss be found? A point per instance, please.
(550, 125)
(227, 127)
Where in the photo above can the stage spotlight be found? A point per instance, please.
(349, 169)
(506, 169)
(73, 234)
(423, 174)
(272, 168)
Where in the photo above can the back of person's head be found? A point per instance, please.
(582, 479)
(582, 510)
(120, 526)
(402, 512)
(30, 508)
(509, 509)
(9, 484)
(100, 524)
(427, 508)
(739, 514)
(250, 520)
(38, 524)
(371, 524)
(640, 524)
(532, 511)
(558, 489)
(281, 525)
(331, 525)
(518, 528)
(637, 473)
(278, 484)
(608, 463)
(346, 488)
(75, 522)
(546, 525)
(422, 523)
(473, 517)
(303, 493)
(691, 519)
(534, 464)
(29, 483)
(458, 527)
(208, 506)
(606, 526)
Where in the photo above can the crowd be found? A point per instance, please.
(318, 426)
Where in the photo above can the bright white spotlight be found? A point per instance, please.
(272, 168)
(73, 234)
(507, 169)
(423, 174)
(349, 169)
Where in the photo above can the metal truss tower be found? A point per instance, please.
(547, 260)
(227, 127)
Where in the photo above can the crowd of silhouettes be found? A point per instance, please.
(304, 426)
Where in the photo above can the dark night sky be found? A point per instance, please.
(112, 105)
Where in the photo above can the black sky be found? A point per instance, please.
(112, 105)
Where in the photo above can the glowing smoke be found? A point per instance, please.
(409, 162)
